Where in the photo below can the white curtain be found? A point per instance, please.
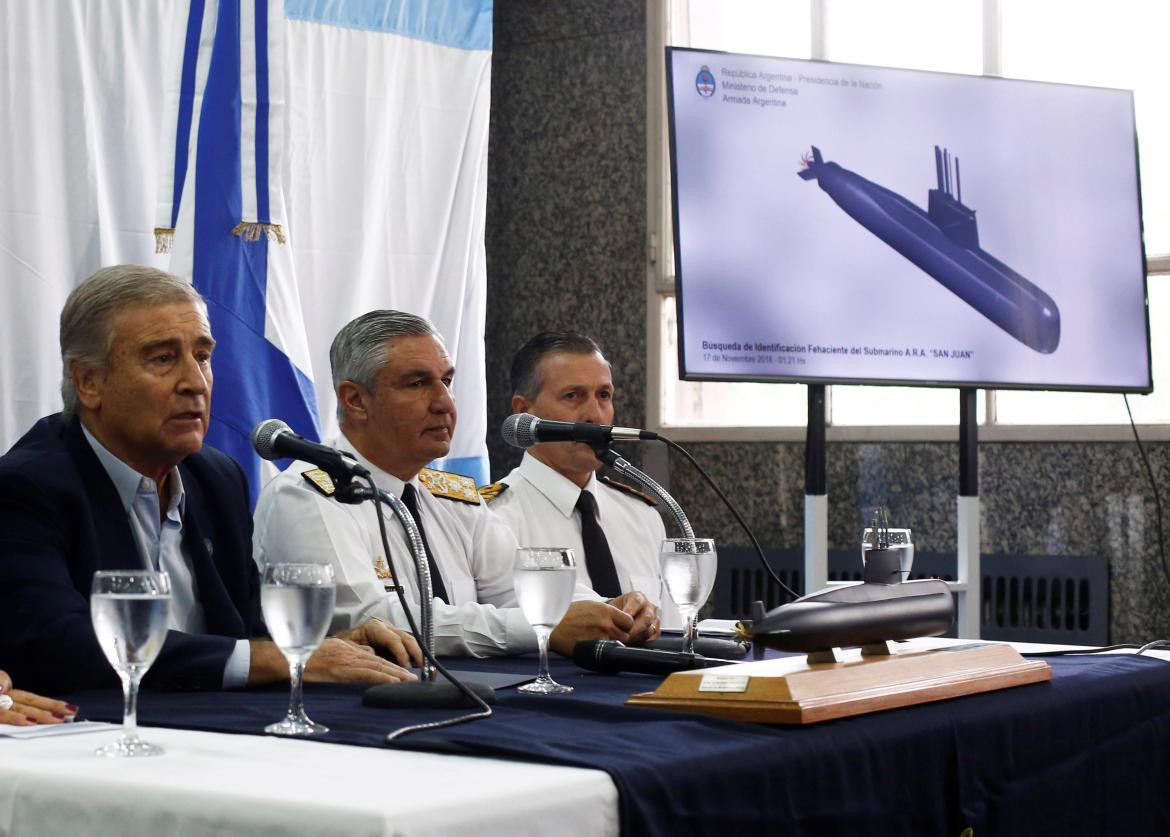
(386, 191)
(389, 212)
(79, 153)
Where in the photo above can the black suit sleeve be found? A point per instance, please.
(47, 642)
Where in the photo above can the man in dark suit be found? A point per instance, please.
(121, 480)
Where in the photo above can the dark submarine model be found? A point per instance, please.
(944, 242)
(882, 608)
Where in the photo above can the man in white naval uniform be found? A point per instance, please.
(393, 381)
(555, 497)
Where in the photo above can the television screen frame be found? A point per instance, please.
(842, 186)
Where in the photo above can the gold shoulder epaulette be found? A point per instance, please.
(450, 486)
(629, 489)
(491, 492)
(320, 481)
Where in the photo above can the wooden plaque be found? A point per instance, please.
(790, 690)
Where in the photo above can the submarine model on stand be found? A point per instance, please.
(944, 242)
(882, 608)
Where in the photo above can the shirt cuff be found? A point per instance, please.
(235, 673)
(582, 592)
(521, 639)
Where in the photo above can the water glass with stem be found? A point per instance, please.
(298, 601)
(130, 610)
(544, 578)
(688, 572)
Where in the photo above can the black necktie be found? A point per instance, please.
(410, 500)
(598, 558)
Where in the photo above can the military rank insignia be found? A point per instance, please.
(629, 489)
(320, 481)
(449, 486)
(491, 492)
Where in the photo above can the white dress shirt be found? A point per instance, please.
(539, 506)
(472, 548)
(160, 547)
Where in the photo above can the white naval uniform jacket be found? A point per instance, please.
(539, 506)
(472, 548)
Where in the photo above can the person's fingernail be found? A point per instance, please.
(31, 718)
(71, 708)
(58, 715)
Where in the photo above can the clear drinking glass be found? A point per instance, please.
(130, 610)
(688, 571)
(297, 600)
(544, 578)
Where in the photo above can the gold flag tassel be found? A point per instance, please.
(252, 231)
(164, 237)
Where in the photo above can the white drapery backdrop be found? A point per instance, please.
(387, 169)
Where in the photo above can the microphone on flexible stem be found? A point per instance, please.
(273, 439)
(608, 656)
(523, 430)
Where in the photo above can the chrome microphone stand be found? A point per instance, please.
(354, 493)
(618, 463)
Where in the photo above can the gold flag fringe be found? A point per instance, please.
(252, 231)
(163, 238)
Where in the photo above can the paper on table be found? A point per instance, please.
(44, 730)
(717, 627)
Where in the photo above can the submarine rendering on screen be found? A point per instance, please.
(944, 243)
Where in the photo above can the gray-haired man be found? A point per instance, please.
(393, 381)
(121, 480)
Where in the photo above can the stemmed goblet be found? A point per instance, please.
(297, 600)
(688, 571)
(544, 578)
(130, 610)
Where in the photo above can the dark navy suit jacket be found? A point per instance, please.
(61, 520)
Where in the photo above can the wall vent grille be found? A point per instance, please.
(1025, 598)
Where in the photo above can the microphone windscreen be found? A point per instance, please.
(264, 437)
(519, 430)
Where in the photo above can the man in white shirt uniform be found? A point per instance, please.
(555, 496)
(393, 381)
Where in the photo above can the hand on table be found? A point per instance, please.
(586, 620)
(340, 660)
(644, 612)
(28, 709)
(376, 634)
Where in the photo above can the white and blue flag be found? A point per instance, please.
(384, 179)
(223, 218)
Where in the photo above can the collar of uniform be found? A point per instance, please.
(383, 479)
(561, 491)
(127, 482)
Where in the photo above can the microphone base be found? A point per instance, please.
(418, 694)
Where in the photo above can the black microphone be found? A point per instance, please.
(608, 656)
(273, 439)
(523, 430)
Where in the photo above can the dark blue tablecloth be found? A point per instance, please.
(1087, 753)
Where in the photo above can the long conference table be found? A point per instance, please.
(1087, 753)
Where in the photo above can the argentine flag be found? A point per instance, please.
(363, 162)
(222, 216)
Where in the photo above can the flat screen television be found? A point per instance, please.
(836, 223)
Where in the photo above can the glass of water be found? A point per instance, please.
(130, 610)
(297, 600)
(688, 571)
(544, 578)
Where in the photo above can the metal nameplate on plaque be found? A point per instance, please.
(724, 682)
